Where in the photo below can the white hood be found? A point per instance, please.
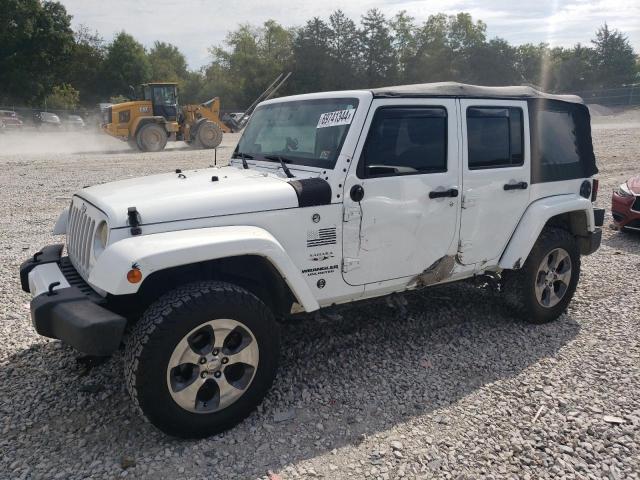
(169, 197)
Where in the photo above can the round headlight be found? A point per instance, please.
(624, 191)
(100, 238)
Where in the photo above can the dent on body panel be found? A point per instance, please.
(381, 228)
(438, 271)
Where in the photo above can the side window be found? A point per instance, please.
(557, 133)
(405, 141)
(495, 137)
(561, 146)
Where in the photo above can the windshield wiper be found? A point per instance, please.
(282, 161)
(244, 157)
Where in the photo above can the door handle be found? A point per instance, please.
(452, 192)
(516, 186)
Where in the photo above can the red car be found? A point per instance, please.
(625, 205)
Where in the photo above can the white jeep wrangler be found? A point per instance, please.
(329, 198)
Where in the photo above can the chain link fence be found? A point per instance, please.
(628, 95)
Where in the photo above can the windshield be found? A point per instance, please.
(306, 132)
(164, 96)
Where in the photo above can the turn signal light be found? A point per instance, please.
(134, 275)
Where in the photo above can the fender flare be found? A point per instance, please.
(533, 221)
(159, 251)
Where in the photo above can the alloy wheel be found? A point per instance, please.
(212, 366)
(553, 277)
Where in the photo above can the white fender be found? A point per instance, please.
(534, 220)
(160, 251)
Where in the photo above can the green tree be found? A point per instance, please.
(614, 58)
(310, 50)
(85, 66)
(126, 64)
(376, 46)
(167, 63)
(530, 62)
(343, 43)
(405, 43)
(492, 63)
(433, 57)
(63, 97)
(572, 68)
(35, 43)
(465, 38)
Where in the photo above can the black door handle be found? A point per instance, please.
(516, 186)
(452, 192)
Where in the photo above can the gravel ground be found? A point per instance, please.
(453, 387)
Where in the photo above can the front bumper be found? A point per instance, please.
(623, 210)
(66, 308)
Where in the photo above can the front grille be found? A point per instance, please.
(75, 280)
(636, 204)
(80, 230)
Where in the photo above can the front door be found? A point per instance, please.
(496, 176)
(402, 191)
(165, 102)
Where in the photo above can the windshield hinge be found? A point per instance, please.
(349, 264)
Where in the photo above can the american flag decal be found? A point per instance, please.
(323, 236)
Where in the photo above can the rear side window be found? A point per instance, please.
(495, 137)
(561, 141)
(405, 141)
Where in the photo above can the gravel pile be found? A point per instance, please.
(445, 385)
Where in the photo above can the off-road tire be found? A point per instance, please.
(153, 338)
(519, 285)
(151, 138)
(208, 135)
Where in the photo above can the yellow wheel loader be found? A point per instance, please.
(155, 116)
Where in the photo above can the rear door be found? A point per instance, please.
(401, 202)
(496, 176)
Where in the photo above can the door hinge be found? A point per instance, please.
(349, 264)
(350, 213)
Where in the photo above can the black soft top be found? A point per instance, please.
(462, 90)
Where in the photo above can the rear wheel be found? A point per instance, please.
(542, 289)
(208, 135)
(151, 138)
(202, 358)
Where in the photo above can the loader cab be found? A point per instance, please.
(163, 98)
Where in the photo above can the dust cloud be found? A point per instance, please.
(34, 142)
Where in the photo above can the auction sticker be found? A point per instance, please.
(333, 119)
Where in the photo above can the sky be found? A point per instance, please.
(196, 25)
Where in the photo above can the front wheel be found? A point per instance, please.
(208, 135)
(202, 358)
(151, 138)
(542, 289)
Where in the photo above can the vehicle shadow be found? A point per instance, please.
(357, 371)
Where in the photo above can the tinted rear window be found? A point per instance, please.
(562, 148)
